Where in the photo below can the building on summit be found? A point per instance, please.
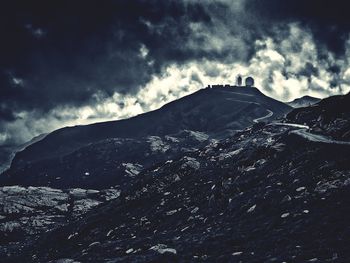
(249, 83)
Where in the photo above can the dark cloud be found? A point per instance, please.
(66, 51)
(309, 70)
(59, 56)
(6, 114)
(329, 20)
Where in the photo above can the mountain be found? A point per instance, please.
(7, 152)
(303, 102)
(273, 192)
(329, 117)
(113, 153)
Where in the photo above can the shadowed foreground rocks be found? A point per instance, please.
(267, 193)
(263, 195)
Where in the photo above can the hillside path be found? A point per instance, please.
(304, 133)
(270, 114)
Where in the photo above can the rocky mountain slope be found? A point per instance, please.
(329, 117)
(303, 102)
(269, 193)
(113, 153)
(25, 213)
(7, 152)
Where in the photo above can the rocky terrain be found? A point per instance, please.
(26, 212)
(266, 194)
(328, 117)
(112, 153)
(303, 102)
(110, 162)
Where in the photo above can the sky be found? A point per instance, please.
(76, 62)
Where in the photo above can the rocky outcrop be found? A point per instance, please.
(27, 212)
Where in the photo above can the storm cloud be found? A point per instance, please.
(76, 62)
(328, 20)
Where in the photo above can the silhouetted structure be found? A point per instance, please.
(249, 82)
(239, 81)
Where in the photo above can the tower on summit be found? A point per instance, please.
(239, 81)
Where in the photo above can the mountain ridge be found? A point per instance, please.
(83, 129)
(303, 101)
(61, 157)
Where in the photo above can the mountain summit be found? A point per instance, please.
(109, 153)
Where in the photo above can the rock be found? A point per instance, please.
(94, 244)
(300, 189)
(251, 209)
(162, 249)
(190, 163)
(132, 169)
(287, 198)
(285, 215)
(194, 210)
(130, 250)
(157, 145)
(169, 213)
